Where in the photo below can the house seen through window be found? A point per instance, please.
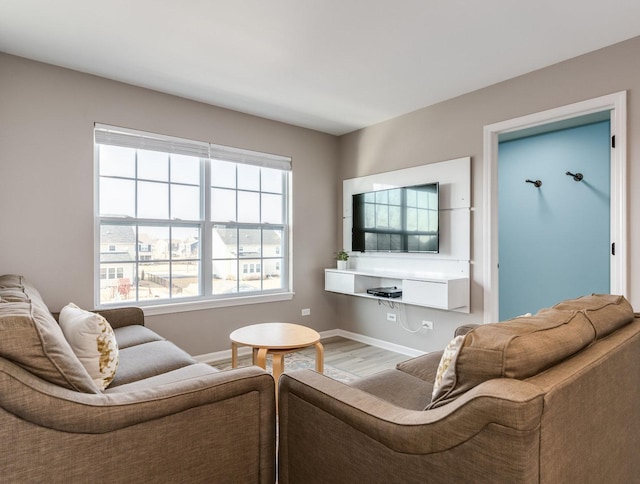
(180, 220)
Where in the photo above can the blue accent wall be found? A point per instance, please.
(554, 241)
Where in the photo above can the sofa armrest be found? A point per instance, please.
(507, 402)
(119, 317)
(424, 367)
(47, 405)
(465, 328)
(329, 430)
(70, 411)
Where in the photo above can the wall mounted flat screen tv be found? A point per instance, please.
(401, 219)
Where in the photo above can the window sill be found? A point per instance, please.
(180, 307)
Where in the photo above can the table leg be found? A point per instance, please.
(319, 357)
(234, 355)
(278, 365)
(261, 359)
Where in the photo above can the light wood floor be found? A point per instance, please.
(357, 358)
(348, 355)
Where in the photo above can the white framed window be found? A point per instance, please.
(186, 221)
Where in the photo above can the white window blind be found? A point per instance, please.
(123, 137)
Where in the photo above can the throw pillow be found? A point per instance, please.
(93, 341)
(446, 373)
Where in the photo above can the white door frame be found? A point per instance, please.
(617, 104)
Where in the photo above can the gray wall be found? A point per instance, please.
(46, 182)
(453, 129)
(46, 190)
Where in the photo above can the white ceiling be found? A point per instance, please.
(330, 65)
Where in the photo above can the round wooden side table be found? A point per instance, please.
(276, 339)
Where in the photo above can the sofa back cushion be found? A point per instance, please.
(31, 337)
(518, 348)
(606, 312)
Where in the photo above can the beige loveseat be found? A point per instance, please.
(551, 398)
(163, 418)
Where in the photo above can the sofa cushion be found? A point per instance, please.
(189, 372)
(93, 341)
(135, 335)
(518, 348)
(396, 387)
(30, 337)
(149, 359)
(607, 312)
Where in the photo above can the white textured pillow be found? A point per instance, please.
(446, 374)
(93, 341)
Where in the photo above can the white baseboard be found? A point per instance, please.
(221, 355)
(378, 343)
(385, 345)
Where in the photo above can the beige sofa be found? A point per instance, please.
(552, 398)
(163, 418)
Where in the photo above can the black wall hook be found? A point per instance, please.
(576, 176)
(536, 183)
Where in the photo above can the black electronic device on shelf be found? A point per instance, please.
(390, 292)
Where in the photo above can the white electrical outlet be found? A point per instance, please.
(391, 317)
(427, 324)
(306, 312)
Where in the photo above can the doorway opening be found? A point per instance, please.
(612, 106)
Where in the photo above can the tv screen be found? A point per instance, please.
(396, 220)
